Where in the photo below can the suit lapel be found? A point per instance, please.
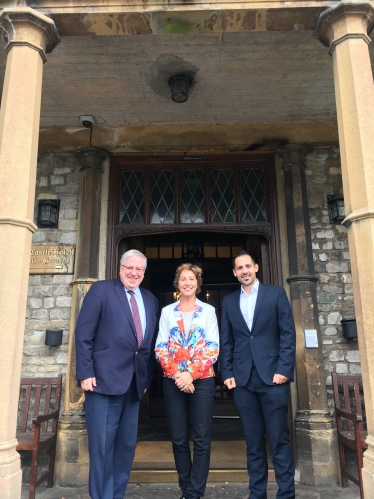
(237, 308)
(260, 295)
(120, 290)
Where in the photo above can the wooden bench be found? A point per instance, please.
(38, 412)
(350, 414)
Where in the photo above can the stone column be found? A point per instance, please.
(72, 453)
(30, 36)
(314, 424)
(344, 29)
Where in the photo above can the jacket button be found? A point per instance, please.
(251, 337)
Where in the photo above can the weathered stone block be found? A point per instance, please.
(354, 368)
(325, 234)
(57, 180)
(334, 318)
(35, 302)
(326, 298)
(353, 356)
(61, 171)
(49, 302)
(337, 267)
(68, 213)
(341, 368)
(43, 290)
(39, 314)
(38, 237)
(327, 246)
(68, 238)
(331, 331)
(63, 301)
(336, 355)
(61, 358)
(46, 279)
(62, 279)
(62, 290)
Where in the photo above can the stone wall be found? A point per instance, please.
(49, 296)
(331, 261)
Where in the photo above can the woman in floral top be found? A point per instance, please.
(187, 348)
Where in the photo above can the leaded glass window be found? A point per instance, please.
(192, 197)
(162, 197)
(132, 197)
(252, 188)
(222, 195)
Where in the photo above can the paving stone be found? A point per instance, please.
(213, 491)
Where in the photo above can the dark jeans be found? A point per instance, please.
(192, 474)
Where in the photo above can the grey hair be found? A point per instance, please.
(131, 253)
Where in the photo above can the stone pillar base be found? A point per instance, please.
(368, 469)
(10, 472)
(318, 458)
(72, 461)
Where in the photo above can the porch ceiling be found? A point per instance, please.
(247, 88)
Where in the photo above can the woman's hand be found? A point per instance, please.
(184, 382)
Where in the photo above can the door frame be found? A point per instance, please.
(269, 229)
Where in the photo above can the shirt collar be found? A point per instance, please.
(253, 290)
(136, 291)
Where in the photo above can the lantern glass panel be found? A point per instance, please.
(340, 208)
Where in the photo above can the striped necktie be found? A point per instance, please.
(136, 317)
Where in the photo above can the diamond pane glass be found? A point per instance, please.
(132, 197)
(192, 197)
(253, 199)
(162, 197)
(222, 196)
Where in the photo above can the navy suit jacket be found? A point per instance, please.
(270, 344)
(105, 339)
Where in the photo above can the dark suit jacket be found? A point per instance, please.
(105, 339)
(270, 344)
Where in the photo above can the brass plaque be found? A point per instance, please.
(52, 259)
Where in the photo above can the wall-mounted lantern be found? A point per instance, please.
(179, 88)
(48, 211)
(336, 208)
(53, 337)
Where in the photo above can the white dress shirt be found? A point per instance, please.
(248, 303)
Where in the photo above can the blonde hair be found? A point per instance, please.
(193, 268)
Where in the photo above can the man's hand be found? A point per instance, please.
(88, 384)
(184, 382)
(230, 383)
(278, 379)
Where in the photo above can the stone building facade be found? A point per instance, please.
(49, 296)
(264, 93)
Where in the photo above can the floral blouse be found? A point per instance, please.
(198, 352)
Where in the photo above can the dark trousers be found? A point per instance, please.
(112, 425)
(192, 474)
(263, 411)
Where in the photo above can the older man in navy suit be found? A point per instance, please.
(114, 337)
(257, 361)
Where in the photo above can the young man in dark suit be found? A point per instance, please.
(257, 359)
(114, 339)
